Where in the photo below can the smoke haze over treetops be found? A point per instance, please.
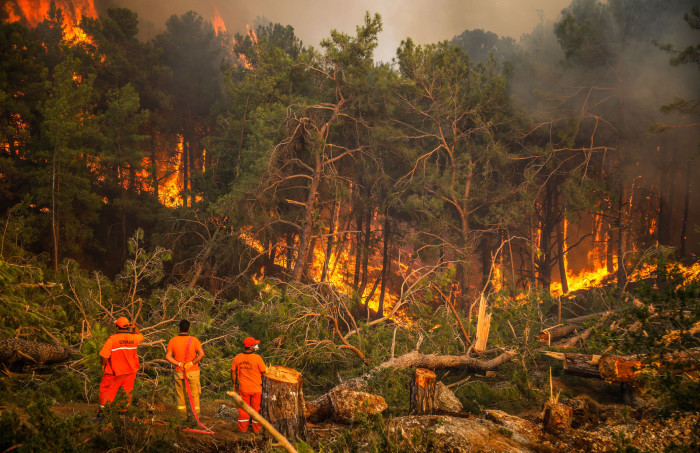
(425, 21)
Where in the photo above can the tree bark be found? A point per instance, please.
(307, 228)
(556, 332)
(561, 241)
(615, 368)
(283, 401)
(412, 360)
(386, 266)
(16, 352)
(423, 392)
(344, 405)
(365, 250)
(358, 252)
(621, 369)
(557, 416)
(684, 225)
(331, 240)
(547, 335)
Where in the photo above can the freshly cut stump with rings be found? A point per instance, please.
(283, 401)
(423, 392)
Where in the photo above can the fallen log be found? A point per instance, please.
(321, 409)
(347, 405)
(283, 401)
(16, 352)
(621, 369)
(552, 333)
(575, 340)
(343, 404)
(561, 330)
(414, 359)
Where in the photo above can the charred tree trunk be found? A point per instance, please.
(423, 392)
(358, 252)
(622, 238)
(290, 251)
(549, 218)
(386, 265)
(486, 263)
(283, 402)
(664, 218)
(609, 247)
(154, 167)
(331, 240)
(307, 228)
(185, 169)
(561, 241)
(365, 249)
(684, 225)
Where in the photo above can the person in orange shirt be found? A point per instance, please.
(246, 373)
(185, 352)
(119, 361)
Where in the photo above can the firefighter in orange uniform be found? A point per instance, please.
(119, 361)
(246, 373)
(185, 352)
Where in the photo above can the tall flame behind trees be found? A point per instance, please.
(32, 12)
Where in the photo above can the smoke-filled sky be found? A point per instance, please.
(423, 20)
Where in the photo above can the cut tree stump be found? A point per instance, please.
(423, 392)
(556, 416)
(283, 401)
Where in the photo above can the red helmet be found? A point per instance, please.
(250, 341)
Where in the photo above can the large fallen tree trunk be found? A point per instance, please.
(621, 369)
(414, 359)
(16, 352)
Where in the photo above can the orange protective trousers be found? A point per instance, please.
(110, 385)
(253, 400)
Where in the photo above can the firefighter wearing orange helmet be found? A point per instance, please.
(120, 361)
(246, 373)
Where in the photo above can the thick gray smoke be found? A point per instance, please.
(423, 20)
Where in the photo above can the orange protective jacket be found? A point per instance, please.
(249, 368)
(177, 346)
(120, 352)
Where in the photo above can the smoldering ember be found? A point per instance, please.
(267, 226)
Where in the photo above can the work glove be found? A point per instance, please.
(187, 366)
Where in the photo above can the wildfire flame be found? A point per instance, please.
(34, 11)
(217, 22)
